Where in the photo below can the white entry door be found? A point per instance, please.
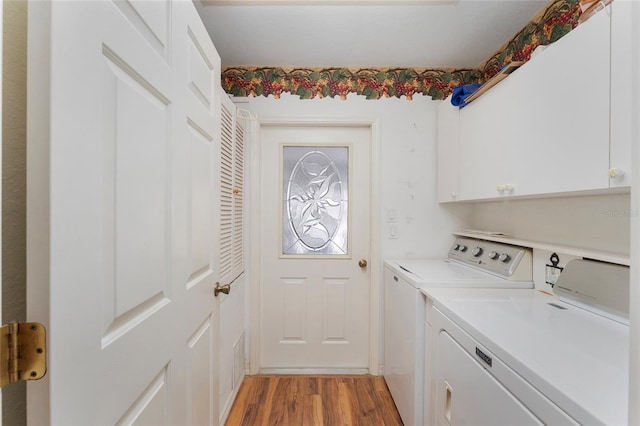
(122, 135)
(315, 224)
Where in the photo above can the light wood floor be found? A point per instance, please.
(313, 400)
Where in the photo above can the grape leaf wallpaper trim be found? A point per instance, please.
(552, 23)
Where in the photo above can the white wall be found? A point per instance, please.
(407, 132)
(597, 222)
(408, 166)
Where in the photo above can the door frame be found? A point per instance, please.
(253, 242)
(1, 146)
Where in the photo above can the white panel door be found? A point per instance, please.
(314, 295)
(129, 236)
(202, 200)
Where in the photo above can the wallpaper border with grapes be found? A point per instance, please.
(556, 20)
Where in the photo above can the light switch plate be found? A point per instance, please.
(391, 216)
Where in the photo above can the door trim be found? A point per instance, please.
(253, 235)
(38, 136)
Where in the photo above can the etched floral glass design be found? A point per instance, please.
(315, 200)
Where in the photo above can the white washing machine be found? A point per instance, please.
(470, 263)
(507, 357)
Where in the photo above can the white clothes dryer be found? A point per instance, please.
(506, 357)
(470, 263)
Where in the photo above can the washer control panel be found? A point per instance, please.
(511, 262)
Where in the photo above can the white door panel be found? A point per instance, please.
(314, 308)
(202, 66)
(132, 317)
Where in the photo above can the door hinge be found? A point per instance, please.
(23, 352)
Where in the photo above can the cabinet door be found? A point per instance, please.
(560, 100)
(545, 129)
(448, 151)
(484, 159)
(621, 93)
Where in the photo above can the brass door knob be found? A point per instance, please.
(221, 289)
(362, 263)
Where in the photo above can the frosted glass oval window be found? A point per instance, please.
(315, 200)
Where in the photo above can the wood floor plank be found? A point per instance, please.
(241, 403)
(345, 402)
(266, 404)
(330, 406)
(310, 385)
(391, 417)
(278, 414)
(294, 400)
(261, 388)
(369, 413)
(326, 400)
(250, 414)
(312, 409)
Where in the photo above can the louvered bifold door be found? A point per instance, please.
(238, 199)
(226, 196)
(231, 194)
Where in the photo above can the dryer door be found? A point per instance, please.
(468, 395)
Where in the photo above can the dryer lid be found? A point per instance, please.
(600, 287)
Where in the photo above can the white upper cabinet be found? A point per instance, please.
(486, 133)
(621, 93)
(559, 106)
(559, 124)
(448, 151)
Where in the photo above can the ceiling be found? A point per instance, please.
(443, 34)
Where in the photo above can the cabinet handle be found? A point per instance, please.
(616, 173)
(508, 188)
(454, 195)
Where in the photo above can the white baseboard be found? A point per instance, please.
(318, 371)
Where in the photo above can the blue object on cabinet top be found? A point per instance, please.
(461, 93)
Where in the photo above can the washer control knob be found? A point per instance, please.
(477, 251)
(456, 247)
(463, 248)
(504, 257)
(493, 255)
